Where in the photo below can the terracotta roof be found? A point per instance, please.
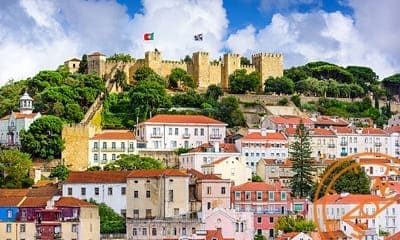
(156, 173)
(328, 120)
(393, 129)
(268, 136)
(19, 115)
(35, 202)
(48, 191)
(312, 132)
(350, 199)
(342, 130)
(396, 236)
(201, 176)
(214, 234)
(290, 120)
(114, 135)
(364, 131)
(10, 201)
(73, 60)
(257, 186)
(379, 161)
(96, 54)
(285, 162)
(72, 202)
(227, 148)
(333, 235)
(13, 192)
(196, 119)
(98, 177)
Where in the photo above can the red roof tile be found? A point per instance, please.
(201, 176)
(73, 60)
(364, 131)
(114, 135)
(19, 115)
(333, 235)
(284, 163)
(290, 120)
(10, 201)
(257, 186)
(350, 199)
(268, 136)
(196, 119)
(98, 177)
(156, 173)
(72, 202)
(42, 191)
(13, 192)
(328, 120)
(393, 129)
(396, 236)
(312, 132)
(227, 148)
(35, 202)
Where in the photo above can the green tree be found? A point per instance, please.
(297, 73)
(279, 85)
(120, 79)
(214, 92)
(296, 100)
(392, 84)
(131, 162)
(354, 180)
(73, 112)
(83, 65)
(146, 96)
(330, 71)
(303, 166)
(241, 82)
(244, 61)
(120, 57)
(61, 172)
(142, 73)
(43, 139)
(259, 237)
(188, 59)
(228, 111)
(110, 221)
(190, 98)
(180, 78)
(256, 178)
(291, 224)
(283, 102)
(14, 169)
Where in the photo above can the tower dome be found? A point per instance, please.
(26, 104)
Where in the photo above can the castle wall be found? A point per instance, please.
(231, 63)
(268, 65)
(248, 68)
(131, 68)
(167, 66)
(215, 74)
(97, 65)
(201, 69)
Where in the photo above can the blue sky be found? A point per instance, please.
(42, 34)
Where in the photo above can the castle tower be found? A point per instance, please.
(201, 69)
(231, 63)
(26, 104)
(268, 64)
(97, 64)
(72, 64)
(153, 60)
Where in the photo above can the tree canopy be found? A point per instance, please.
(110, 221)
(240, 82)
(131, 162)
(120, 57)
(279, 85)
(14, 169)
(83, 65)
(228, 111)
(61, 172)
(179, 78)
(43, 139)
(291, 224)
(142, 73)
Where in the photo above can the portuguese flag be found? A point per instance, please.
(148, 36)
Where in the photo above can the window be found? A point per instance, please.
(123, 190)
(170, 131)
(104, 145)
(271, 195)
(113, 157)
(259, 219)
(271, 219)
(123, 146)
(109, 191)
(186, 144)
(148, 213)
(154, 231)
(144, 231)
(283, 195)
(134, 231)
(201, 131)
(164, 231)
(123, 213)
(208, 205)
(95, 157)
(74, 228)
(259, 195)
(8, 227)
(147, 194)
(174, 231)
(184, 231)
(196, 131)
(237, 195)
(113, 145)
(104, 157)
(248, 195)
(96, 145)
(223, 190)
(83, 191)
(96, 191)
(9, 213)
(173, 144)
(298, 207)
(176, 211)
(171, 195)
(176, 131)
(70, 191)
(208, 190)
(22, 228)
(135, 194)
(136, 213)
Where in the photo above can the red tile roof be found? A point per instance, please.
(201, 176)
(72, 202)
(156, 173)
(96, 54)
(290, 120)
(19, 115)
(73, 60)
(285, 162)
(395, 236)
(218, 161)
(364, 131)
(268, 136)
(42, 191)
(328, 120)
(393, 129)
(114, 135)
(13, 192)
(196, 119)
(227, 148)
(10, 201)
(257, 186)
(35, 202)
(98, 177)
(350, 199)
(312, 132)
(333, 235)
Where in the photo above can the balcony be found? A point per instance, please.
(343, 143)
(378, 144)
(48, 236)
(343, 154)
(186, 135)
(331, 145)
(215, 136)
(156, 135)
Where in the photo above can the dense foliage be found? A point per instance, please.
(354, 180)
(240, 82)
(120, 57)
(291, 224)
(110, 221)
(131, 162)
(14, 169)
(43, 139)
(61, 172)
(179, 78)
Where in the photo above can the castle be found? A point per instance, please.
(203, 71)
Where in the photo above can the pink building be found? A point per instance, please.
(285, 121)
(267, 202)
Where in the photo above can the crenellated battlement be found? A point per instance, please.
(216, 64)
(202, 53)
(172, 62)
(235, 55)
(270, 55)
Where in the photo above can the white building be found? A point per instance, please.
(354, 140)
(11, 125)
(207, 153)
(260, 143)
(394, 142)
(107, 187)
(170, 132)
(105, 147)
(359, 216)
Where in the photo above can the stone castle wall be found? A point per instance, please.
(204, 71)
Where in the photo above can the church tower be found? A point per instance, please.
(25, 104)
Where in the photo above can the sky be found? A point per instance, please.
(41, 34)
